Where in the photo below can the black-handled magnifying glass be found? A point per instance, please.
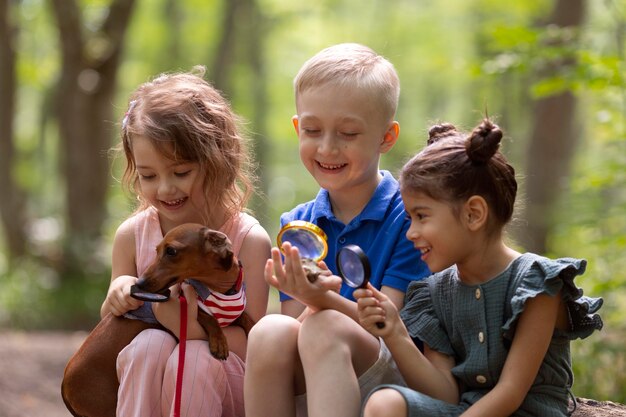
(354, 268)
(139, 294)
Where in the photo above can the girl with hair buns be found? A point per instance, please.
(496, 324)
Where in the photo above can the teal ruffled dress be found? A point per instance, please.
(475, 324)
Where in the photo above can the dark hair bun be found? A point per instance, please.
(483, 142)
(441, 131)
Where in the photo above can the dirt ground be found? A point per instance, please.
(31, 368)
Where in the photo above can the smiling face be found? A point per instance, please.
(437, 231)
(341, 137)
(173, 187)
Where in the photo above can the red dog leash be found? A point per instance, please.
(182, 345)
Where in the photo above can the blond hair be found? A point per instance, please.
(355, 66)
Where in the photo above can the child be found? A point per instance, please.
(346, 98)
(187, 163)
(496, 324)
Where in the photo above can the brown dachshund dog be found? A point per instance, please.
(189, 251)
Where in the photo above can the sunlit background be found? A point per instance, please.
(550, 72)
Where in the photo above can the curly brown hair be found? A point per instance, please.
(187, 119)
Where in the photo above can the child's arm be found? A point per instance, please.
(429, 373)
(530, 344)
(253, 254)
(123, 273)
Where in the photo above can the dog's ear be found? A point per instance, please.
(219, 244)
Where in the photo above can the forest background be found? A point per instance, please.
(550, 72)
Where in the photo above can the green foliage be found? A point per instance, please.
(34, 297)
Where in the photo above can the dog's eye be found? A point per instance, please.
(170, 251)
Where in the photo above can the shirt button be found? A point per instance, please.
(481, 379)
(481, 337)
(342, 240)
(477, 294)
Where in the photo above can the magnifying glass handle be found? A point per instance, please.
(380, 324)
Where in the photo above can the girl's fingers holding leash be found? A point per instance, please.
(174, 292)
(192, 305)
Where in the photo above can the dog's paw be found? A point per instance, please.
(218, 346)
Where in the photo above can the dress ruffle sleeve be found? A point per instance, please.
(546, 276)
(420, 318)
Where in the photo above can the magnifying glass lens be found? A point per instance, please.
(135, 292)
(307, 243)
(351, 268)
(354, 266)
(307, 237)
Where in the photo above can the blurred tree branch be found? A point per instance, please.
(13, 199)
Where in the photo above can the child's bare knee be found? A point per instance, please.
(272, 331)
(322, 327)
(385, 402)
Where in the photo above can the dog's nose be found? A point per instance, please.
(141, 282)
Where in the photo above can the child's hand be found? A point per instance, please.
(290, 278)
(328, 280)
(374, 308)
(118, 300)
(168, 312)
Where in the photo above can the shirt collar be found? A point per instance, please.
(375, 209)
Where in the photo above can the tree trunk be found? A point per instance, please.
(83, 100)
(12, 202)
(172, 15)
(223, 59)
(251, 37)
(261, 147)
(553, 141)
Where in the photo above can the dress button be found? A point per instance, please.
(481, 337)
(342, 240)
(477, 294)
(481, 379)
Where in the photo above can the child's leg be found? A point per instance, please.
(273, 369)
(335, 351)
(140, 367)
(385, 403)
(396, 401)
(211, 387)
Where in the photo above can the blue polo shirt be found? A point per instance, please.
(380, 230)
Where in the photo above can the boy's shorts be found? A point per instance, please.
(384, 371)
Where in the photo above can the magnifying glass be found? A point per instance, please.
(307, 237)
(352, 262)
(139, 294)
(354, 268)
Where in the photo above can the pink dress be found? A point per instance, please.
(147, 367)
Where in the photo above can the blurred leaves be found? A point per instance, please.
(455, 58)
